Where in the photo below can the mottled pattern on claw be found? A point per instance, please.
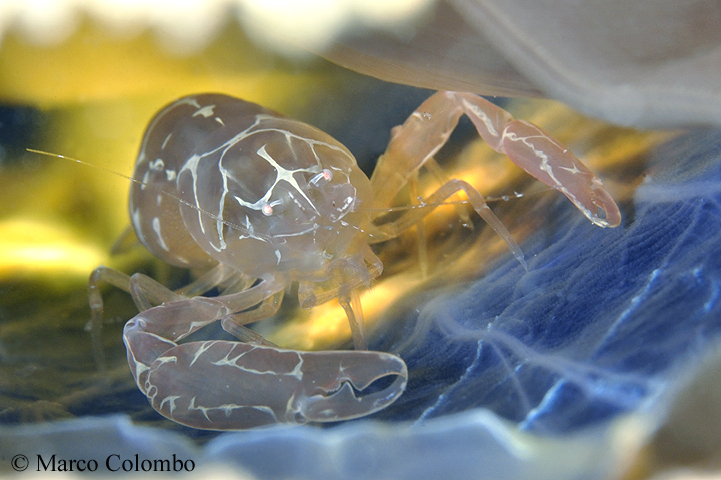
(549, 161)
(220, 385)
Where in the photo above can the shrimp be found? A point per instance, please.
(260, 202)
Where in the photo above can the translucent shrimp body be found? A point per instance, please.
(261, 202)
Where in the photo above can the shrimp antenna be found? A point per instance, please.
(232, 225)
(140, 182)
(505, 198)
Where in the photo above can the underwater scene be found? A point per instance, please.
(599, 358)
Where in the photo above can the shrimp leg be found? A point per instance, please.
(429, 127)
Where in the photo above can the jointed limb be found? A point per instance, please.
(393, 229)
(416, 141)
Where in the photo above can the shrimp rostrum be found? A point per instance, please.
(261, 202)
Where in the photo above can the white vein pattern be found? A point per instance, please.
(260, 202)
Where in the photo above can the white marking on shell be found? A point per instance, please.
(206, 111)
(202, 409)
(298, 370)
(201, 350)
(221, 206)
(233, 362)
(170, 174)
(192, 166)
(292, 407)
(218, 119)
(166, 359)
(135, 217)
(482, 115)
(546, 167)
(230, 362)
(156, 229)
(295, 200)
(140, 368)
(284, 174)
(347, 203)
(228, 409)
(314, 226)
(195, 325)
(573, 170)
(165, 142)
(158, 165)
(171, 400)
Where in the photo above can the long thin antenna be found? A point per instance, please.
(139, 182)
(226, 222)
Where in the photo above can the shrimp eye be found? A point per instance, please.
(322, 178)
(269, 209)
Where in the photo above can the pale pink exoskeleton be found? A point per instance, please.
(259, 202)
